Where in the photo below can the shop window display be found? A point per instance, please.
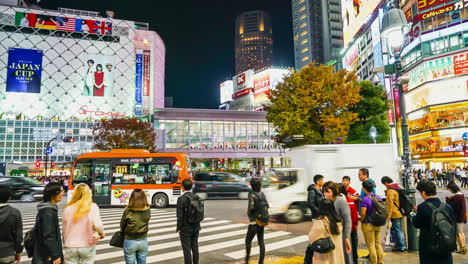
(457, 117)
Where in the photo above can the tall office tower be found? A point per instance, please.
(318, 31)
(253, 41)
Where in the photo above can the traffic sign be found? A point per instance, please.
(465, 136)
(49, 150)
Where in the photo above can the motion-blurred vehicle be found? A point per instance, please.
(23, 188)
(219, 184)
(239, 178)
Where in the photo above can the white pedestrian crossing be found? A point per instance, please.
(218, 236)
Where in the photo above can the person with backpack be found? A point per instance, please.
(396, 199)
(190, 212)
(257, 211)
(457, 201)
(436, 221)
(314, 196)
(47, 245)
(82, 227)
(363, 176)
(134, 226)
(331, 191)
(11, 224)
(373, 217)
(327, 228)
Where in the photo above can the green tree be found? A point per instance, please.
(314, 102)
(124, 133)
(371, 111)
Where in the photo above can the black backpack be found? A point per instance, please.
(30, 238)
(443, 231)
(195, 210)
(379, 214)
(261, 209)
(406, 207)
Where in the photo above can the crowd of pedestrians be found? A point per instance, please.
(337, 209)
(442, 177)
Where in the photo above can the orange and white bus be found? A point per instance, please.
(113, 175)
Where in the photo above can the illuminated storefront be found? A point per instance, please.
(436, 64)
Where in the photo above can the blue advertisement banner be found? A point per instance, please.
(139, 84)
(24, 70)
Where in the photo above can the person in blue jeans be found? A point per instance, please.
(134, 224)
(394, 214)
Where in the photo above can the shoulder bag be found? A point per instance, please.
(117, 239)
(323, 245)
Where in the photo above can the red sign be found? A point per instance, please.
(460, 63)
(241, 79)
(84, 111)
(436, 12)
(262, 83)
(426, 4)
(242, 93)
(146, 73)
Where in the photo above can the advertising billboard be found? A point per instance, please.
(351, 58)
(243, 80)
(266, 81)
(355, 14)
(24, 70)
(98, 75)
(438, 69)
(139, 84)
(226, 89)
(431, 93)
(27, 19)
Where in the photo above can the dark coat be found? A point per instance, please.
(183, 202)
(422, 220)
(252, 210)
(48, 240)
(314, 197)
(11, 235)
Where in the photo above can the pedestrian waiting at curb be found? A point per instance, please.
(47, 236)
(437, 240)
(314, 196)
(81, 226)
(258, 218)
(394, 215)
(331, 191)
(134, 224)
(350, 195)
(11, 226)
(190, 212)
(458, 203)
(328, 226)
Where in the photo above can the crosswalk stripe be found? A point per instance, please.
(33, 217)
(272, 246)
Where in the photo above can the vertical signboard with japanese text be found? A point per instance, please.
(146, 81)
(139, 84)
(24, 71)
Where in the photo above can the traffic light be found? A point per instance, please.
(465, 151)
(38, 164)
(52, 164)
(69, 139)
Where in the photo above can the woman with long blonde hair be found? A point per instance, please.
(82, 227)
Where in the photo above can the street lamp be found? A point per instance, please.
(393, 31)
(373, 133)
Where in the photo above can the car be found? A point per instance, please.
(238, 178)
(23, 188)
(219, 184)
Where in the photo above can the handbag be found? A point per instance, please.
(117, 239)
(323, 245)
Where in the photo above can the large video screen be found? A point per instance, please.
(355, 13)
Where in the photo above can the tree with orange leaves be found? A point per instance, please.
(124, 133)
(314, 102)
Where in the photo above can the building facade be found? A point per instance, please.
(253, 41)
(318, 32)
(63, 71)
(436, 63)
(220, 136)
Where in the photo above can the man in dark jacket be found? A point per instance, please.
(188, 232)
(47, 236)
(422, 220)
(11, 226)
(256, 197)
(314, 196)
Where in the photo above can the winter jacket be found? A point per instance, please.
(183, 203)
(11, 235)
(134, 223)
(393, 201)
(48, 246)
(252, 210)
(314, 197)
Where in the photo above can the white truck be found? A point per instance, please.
(288, 196)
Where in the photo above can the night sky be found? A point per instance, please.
(199, 38)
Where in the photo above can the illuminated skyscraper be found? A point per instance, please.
(253, 41)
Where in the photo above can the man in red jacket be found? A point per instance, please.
(352, 197)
